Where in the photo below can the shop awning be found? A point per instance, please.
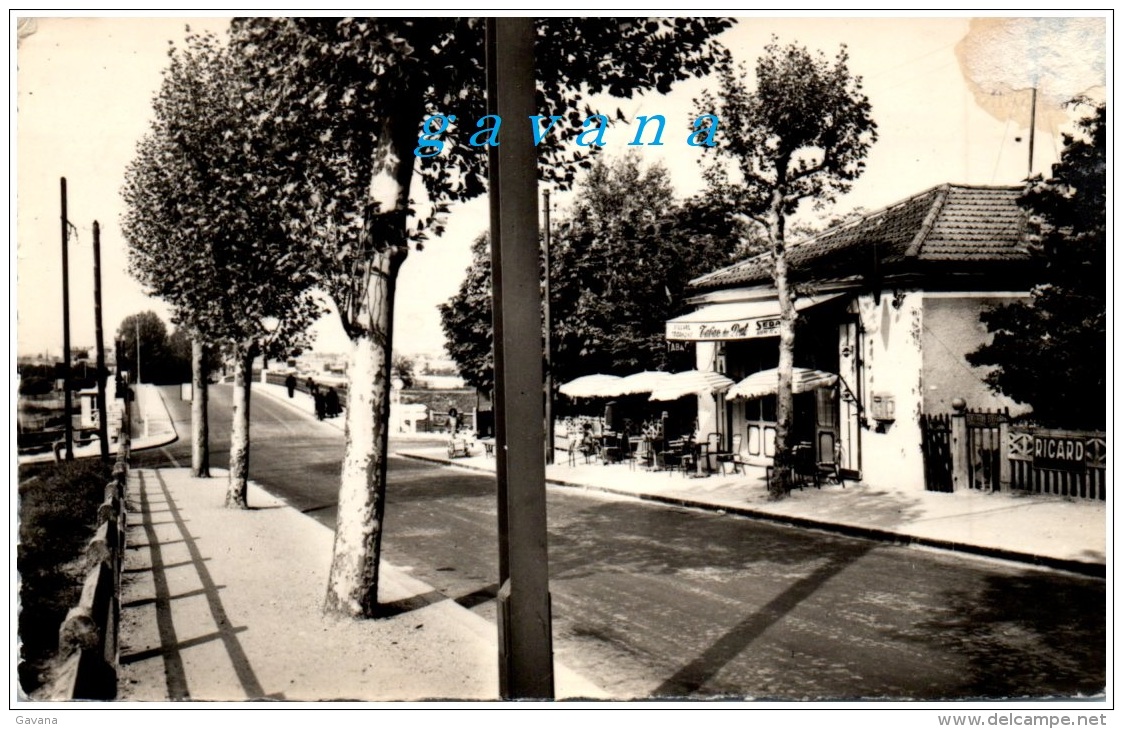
(765, 382)
(740, 320)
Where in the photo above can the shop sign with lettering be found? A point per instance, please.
(1058, 453)
(704, 331)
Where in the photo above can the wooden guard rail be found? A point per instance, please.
(88, 637)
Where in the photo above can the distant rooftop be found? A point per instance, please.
(938, 228)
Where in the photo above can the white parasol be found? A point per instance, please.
(691, 382)
(765, 382)
(587, 385)
(639, 383)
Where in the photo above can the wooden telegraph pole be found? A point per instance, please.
(102, 413)
(67, 405)
(1032, 129)
(526, 661)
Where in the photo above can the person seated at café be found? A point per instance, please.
(588, 443)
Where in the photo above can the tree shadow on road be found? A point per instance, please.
(1033, 634)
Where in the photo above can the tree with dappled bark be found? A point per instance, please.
(800, 134)
(340, 104)
(205, 236)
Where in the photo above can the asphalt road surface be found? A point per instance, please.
(653, 600)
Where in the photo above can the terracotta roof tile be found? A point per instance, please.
(949, 223)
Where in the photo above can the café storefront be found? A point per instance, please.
(741, 338)
(891, 304)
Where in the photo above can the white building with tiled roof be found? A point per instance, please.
(889, 303)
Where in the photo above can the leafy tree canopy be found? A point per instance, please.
(338, 99)
(203, 233)
(1051, 351)
(467, 319)
(620, 262)
(157, 362)
(802, 133)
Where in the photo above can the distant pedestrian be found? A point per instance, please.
(290, 383)
(311, 385)
(320, 405)
(453, 421)
(331, 403)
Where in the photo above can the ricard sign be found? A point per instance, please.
(1051, 451)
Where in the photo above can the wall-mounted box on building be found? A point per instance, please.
(883, 407)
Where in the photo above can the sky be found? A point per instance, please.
(951, 97)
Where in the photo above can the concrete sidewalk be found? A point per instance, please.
(1042, 530)
(223, 605)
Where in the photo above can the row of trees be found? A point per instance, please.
(281, 164)
(141, 338)
(627, 243)
(799, 131)
(161, 358)
(620, 261)
(205, 236)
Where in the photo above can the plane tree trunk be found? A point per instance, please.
(368, 312)
(780, 484)
(237, 485)
(200, 429)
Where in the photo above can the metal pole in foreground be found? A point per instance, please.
(525, 640)
(102, 413)
(548, 345)
(497, 319)
(67, 405)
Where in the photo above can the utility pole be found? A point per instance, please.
(526, 661)
(548, 344)
(1032, 129)
(102, 412)
(67, 406)
(136, 327)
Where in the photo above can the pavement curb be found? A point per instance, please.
(140, 445)
(1088, 569)
(137, 445)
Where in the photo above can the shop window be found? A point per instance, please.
(761, 409)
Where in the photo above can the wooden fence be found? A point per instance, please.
(935, 433)
(88, 637)
(1058, 462)
(984, 451)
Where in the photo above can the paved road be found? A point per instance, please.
(654, 600)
